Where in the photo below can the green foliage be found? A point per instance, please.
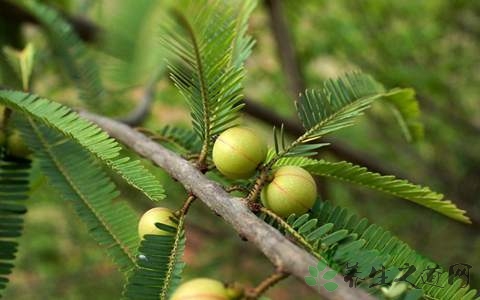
(406, 110)
(343, 240)
(179, 139)
(90, 136)
(21, 62)
(209, 46)
(73, 54)
(78, 178)
(283, 149)
(129, 41)
(14, 188)
(388, 184)
(242, 43)
(398, 252)
(205, 69)
(336, 106)
(159, 265)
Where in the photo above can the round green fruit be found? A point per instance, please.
(238, 151)
(201, 289)
(163, 215)
(292, 190)
(16, 146)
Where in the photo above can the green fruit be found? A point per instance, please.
(238, 151)
(201, 289)
(16, 146)
(163, 215)
(292, 190)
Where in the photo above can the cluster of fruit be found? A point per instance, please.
(239, 151)
(237, 154)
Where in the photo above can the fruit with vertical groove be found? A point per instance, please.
(238, 151)
(292, 190)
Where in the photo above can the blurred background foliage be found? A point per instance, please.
(431, 45)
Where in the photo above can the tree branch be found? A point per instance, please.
(285, 48)
(86, 30)
(279, 250)
(141, 111)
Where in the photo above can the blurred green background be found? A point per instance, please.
(431, 45)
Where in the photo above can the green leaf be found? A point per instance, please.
(14, 188)
(74, 55)
(335, 106)
(319, 232)
(334, 237)
(80, 179)
(382, 248)
(87, 134)
(159, 266)
(413, 294)
(135, 54)
(358, 175)
(242, 43)
(178, 139)
(308, 226)
(407, 112)
(205, 69)
(300, 221)
(21, 62)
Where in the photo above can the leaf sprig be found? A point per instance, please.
(337, 105)
(208, 46)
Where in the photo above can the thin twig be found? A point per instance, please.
(186, 205)
(266, 284)
(141, 111)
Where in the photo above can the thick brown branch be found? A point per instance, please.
(281, 252)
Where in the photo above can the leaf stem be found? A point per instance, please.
(282, 223)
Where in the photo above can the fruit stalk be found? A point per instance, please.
(259, 183)
(186, 205)
(269, 282)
